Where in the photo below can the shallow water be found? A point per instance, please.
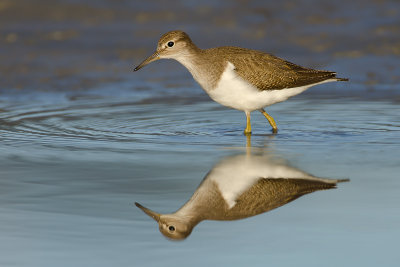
(71, 172)
(82, 138)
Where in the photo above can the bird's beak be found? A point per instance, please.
(151, 213)
(153, 57)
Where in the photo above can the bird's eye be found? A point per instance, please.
(170, 44)
(171, 228)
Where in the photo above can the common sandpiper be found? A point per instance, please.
(240, 78)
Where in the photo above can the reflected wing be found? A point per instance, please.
(268, 194)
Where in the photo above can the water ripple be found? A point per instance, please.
(128, 125)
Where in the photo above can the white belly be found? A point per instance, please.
(235, 92)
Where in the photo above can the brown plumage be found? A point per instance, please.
(268, 72)
(263, 70)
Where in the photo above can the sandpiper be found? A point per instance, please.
(240, 78)
(238, 187)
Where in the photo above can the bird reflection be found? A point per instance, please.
(238, 187)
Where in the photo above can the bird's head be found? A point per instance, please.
(174, 45)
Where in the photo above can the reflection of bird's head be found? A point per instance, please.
(171, 226)
(174, 227)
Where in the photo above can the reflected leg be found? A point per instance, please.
(248, 144)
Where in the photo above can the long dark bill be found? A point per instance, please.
(155, 56)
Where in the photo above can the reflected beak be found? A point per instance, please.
(151, 213)
(148, 60)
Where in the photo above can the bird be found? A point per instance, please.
(238, 187)
(239, 78)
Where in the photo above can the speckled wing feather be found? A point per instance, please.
(268, 194)
(268, 72)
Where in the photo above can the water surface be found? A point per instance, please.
(82, 138)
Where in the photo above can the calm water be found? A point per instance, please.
(82, 138)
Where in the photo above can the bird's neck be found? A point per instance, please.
(202, 66)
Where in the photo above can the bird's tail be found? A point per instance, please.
(342, 79)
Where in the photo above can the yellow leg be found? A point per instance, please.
(270, 120)
(248, 125)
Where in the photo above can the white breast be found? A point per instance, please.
(235, 92)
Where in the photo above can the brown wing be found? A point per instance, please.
(268, 72)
